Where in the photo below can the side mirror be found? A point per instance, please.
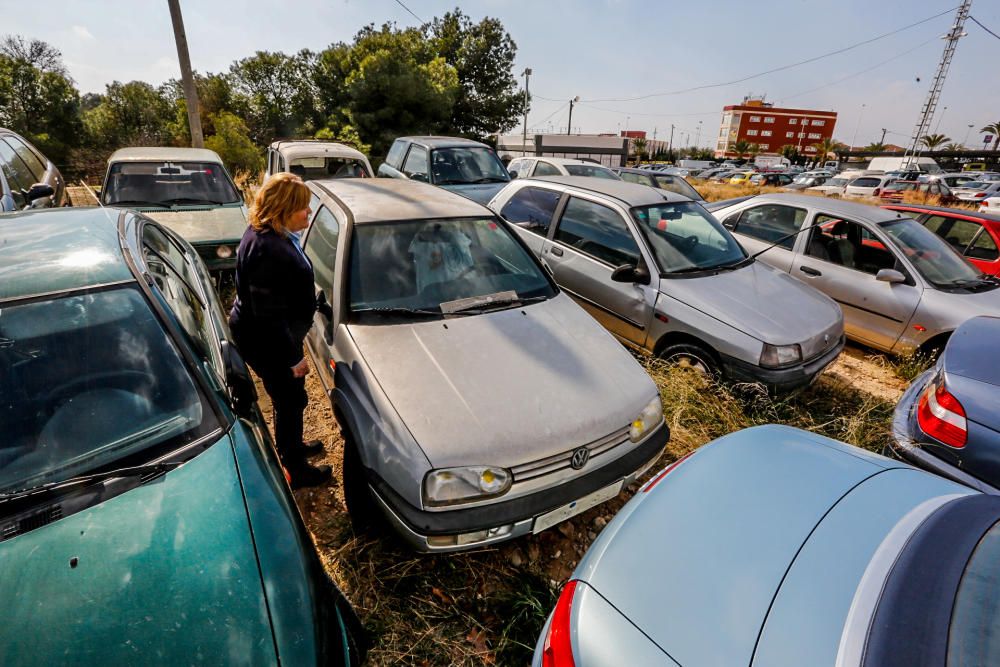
(730, 222)
(627, 273)
(513, 174)
(39, 190)
(419, 177)
(890, 276)
(238, 381)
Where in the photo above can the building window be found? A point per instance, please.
(722, 132)
(793, 121)
(814, 135)
(789, 135)
(764, 147)
(765, 133)
(810, 149)
(722, 145)
(768, 119)
(751, 133)
(802, 135)
(754, 119)
(819, 123)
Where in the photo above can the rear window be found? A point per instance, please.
(593, 171)
(865, 183)
(974, 635)
(169, 183)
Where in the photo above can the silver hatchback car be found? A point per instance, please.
(665, 277)
(902, 288)
(477, 401)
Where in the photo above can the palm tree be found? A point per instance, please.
(932, 141)
(754, 150)
(954, 147)
(825, 147)
(741, 147)
(639, 144)
(994, 129)
(790, 153)
(875, 147)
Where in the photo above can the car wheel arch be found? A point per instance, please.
(933, 347)
(682, 338)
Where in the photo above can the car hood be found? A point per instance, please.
(507, 387)
(702, 594)
(478, 192)
(164, 573)
(762, 302)
(201, 225)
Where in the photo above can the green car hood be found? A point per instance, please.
(203, 225)
(163, 574)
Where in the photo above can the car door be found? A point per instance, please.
(760, 226)
(530, 210)
(321, 244)
(416, 166)
(841, 259)
(589, 241)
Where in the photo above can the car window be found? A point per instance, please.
(848, 244)
(641, 179)
(516, 166)
(934, 259)
(19, 178)
(983, 248)
(865, 183)
(545, 169)
(462, 165)
(593, 171)
(685, 237)
(169, 183)
(597, 231)
(395, 155)
(532, 209)
(123, 396)
(935, 223)
(321, 248)
(961, 233)
(972, 636)
(416, 163)
(676, 184)
(35, 165)
(770, 222)
(320, 167)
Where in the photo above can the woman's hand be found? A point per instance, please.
(301, 369)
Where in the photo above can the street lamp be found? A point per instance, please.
(965, 142)
(569, 125)
(524, 137)
(855, 137)
(938, 126)
(697, 136)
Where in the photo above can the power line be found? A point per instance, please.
(778, 69)
(984, 27)
(400, 3)
(561, 107)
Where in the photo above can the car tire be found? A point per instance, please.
(360, 505)
(689, 355)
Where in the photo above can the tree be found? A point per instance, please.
(825, 147)
(741, 148)
(932, 141)
(790, 152)
(875, 147)
(233, 144)
(994, 129)
(40, 55)
(639, 146)
(954, 147)
(488, 100)
(275, 93)
(131, 114)
(754, 150)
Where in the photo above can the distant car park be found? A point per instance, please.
(896, 190)
(976, 191)
(555, 166)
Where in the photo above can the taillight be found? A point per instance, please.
(979, 195)
(663, 473)
(941, 416)
(558, 650)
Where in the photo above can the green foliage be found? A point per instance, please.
(130, 114)
(41, 105)
(741, 148)
(875, 147)
(233, 144)
(345, 134)
(790, 152)
(276, 94)
(994, 129)
(932, 141)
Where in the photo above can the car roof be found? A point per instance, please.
(829, 205)
(164, 154)
(55, 250)
(431, 141)
(630, 194)
(304, 148)
(964, 212)
(370, 200)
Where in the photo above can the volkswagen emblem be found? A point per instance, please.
(579, 458)
(826, 338)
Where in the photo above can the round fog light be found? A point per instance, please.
(224, 252)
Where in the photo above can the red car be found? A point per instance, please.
(894, 190)
(975, 235)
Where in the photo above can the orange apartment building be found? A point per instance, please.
(758, 122)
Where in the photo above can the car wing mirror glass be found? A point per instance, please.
(39, 190)
(890, 276)
(419, 177)
(238, 380)
(629, 273)
(513, 174)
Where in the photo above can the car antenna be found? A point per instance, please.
(782, 240)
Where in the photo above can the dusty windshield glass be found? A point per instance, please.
(421, 264)
(685, 237)
(461, 165)
(122, 393)
(594, 171)
(315, 168)
(936, 261)
(169, 184)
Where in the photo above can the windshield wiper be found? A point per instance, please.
(393, 310)
(450, 181)
(193, 200)
(735, 265)
(489, 179)
(134, 471)
(483, 304)
(138, 202)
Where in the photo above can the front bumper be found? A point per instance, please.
(508, 519)
(781, 380)
(905, 443)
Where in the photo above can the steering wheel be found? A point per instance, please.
(122, 378)
(689, 242)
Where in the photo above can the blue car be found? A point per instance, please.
(144, 517)
(464, 166)
(778, 547)
(948, 421)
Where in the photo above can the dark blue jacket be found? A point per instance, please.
(275, 300)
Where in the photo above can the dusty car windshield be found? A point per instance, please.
(678, 185)
(936, 261)
(460, 165)
(685, 237)
(122, 393)
(422, 264)
(594, 171)
(315, 168)
(169, 184)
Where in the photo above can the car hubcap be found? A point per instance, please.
(689, 361)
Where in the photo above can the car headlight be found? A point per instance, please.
(224, 252)
(650, 418)
(776, 356)
(451, 486)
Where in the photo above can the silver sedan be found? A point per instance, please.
(901, 287)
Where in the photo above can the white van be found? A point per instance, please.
(884, 164)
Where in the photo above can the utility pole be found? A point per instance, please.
(187, 78)
(697, 136)
(855, 137)
(524, 137)
(955, 33)
(670, 145)
(882, 140)
(569, 125)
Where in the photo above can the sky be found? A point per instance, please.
(601, 51)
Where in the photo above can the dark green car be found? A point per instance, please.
(144, 517)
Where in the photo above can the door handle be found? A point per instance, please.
(808, 270)
(556, 251)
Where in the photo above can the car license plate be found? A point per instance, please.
(577, 506)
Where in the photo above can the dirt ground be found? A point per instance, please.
(484, 607)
